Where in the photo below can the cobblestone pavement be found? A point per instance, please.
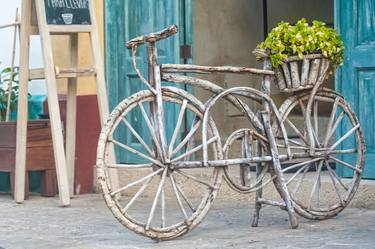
(88, 224)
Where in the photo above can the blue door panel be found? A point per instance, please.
(126, 19)
(355, 20)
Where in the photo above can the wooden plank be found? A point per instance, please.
(63, 73)
(295, 74)
(36, 74)
(101, 89)
(305, 72)
(71, 112)
(10, 25)
(74, 72)
(64, 29)
(286, 71)
(315, 65)
(53, 106)
(280, 79)
(20, 168)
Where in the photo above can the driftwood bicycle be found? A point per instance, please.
(182, 168)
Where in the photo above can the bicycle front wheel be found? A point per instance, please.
(156, 199)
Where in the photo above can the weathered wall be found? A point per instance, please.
(293, 10)
(225, 33)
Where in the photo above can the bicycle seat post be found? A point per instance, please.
(156, 108)
(152, 61)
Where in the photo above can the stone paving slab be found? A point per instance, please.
(88, 224)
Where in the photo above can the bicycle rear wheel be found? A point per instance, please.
(322, 184)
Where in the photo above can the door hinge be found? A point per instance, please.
(185, 51)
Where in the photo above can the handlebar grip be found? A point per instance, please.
(153, 37)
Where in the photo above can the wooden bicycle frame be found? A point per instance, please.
(155, 73)
(260, 120)
(264, 142)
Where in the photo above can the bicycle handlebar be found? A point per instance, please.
(153, 37)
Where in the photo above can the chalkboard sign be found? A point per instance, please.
(68, 12)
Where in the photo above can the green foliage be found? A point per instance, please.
(5, 79)
(286, 40)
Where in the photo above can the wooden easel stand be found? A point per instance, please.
(64, 162)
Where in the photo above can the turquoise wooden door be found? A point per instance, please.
(355, 20)
(124, 20)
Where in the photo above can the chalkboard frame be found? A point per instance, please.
(68, 12)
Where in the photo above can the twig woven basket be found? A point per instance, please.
(297, 74)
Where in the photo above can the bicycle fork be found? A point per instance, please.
(275, 166)
(279, 182)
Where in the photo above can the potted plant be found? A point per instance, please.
(39, 152)
(303, 54)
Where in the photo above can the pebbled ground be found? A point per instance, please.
(88, 224)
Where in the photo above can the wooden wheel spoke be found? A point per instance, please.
(302, 178)
(294, 147)
(151, 128)
(129, 166)
(245, 175)
(330, 121)
(297, 143)
(337, 177)
(346, 151)
(316, 125)
(188, 202)
(139, 192)
(334, 127)
(176, 192)
(195, 179)
(159, 190)
(317, 143)
(350, 132)
(136, 152)
(178, 126)
(334, 182)
(162, 205)
(187, 153)
(191, 206)
(139, 138)
(300, 164)
(345, 164)
(136, 182)
(296, 174)
(316, 185)
(296, 131)
(304, 164)
(187, 138)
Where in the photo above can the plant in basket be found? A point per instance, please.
(303, 54)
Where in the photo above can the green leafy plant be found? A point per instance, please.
(5, 79)
(286, 40)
